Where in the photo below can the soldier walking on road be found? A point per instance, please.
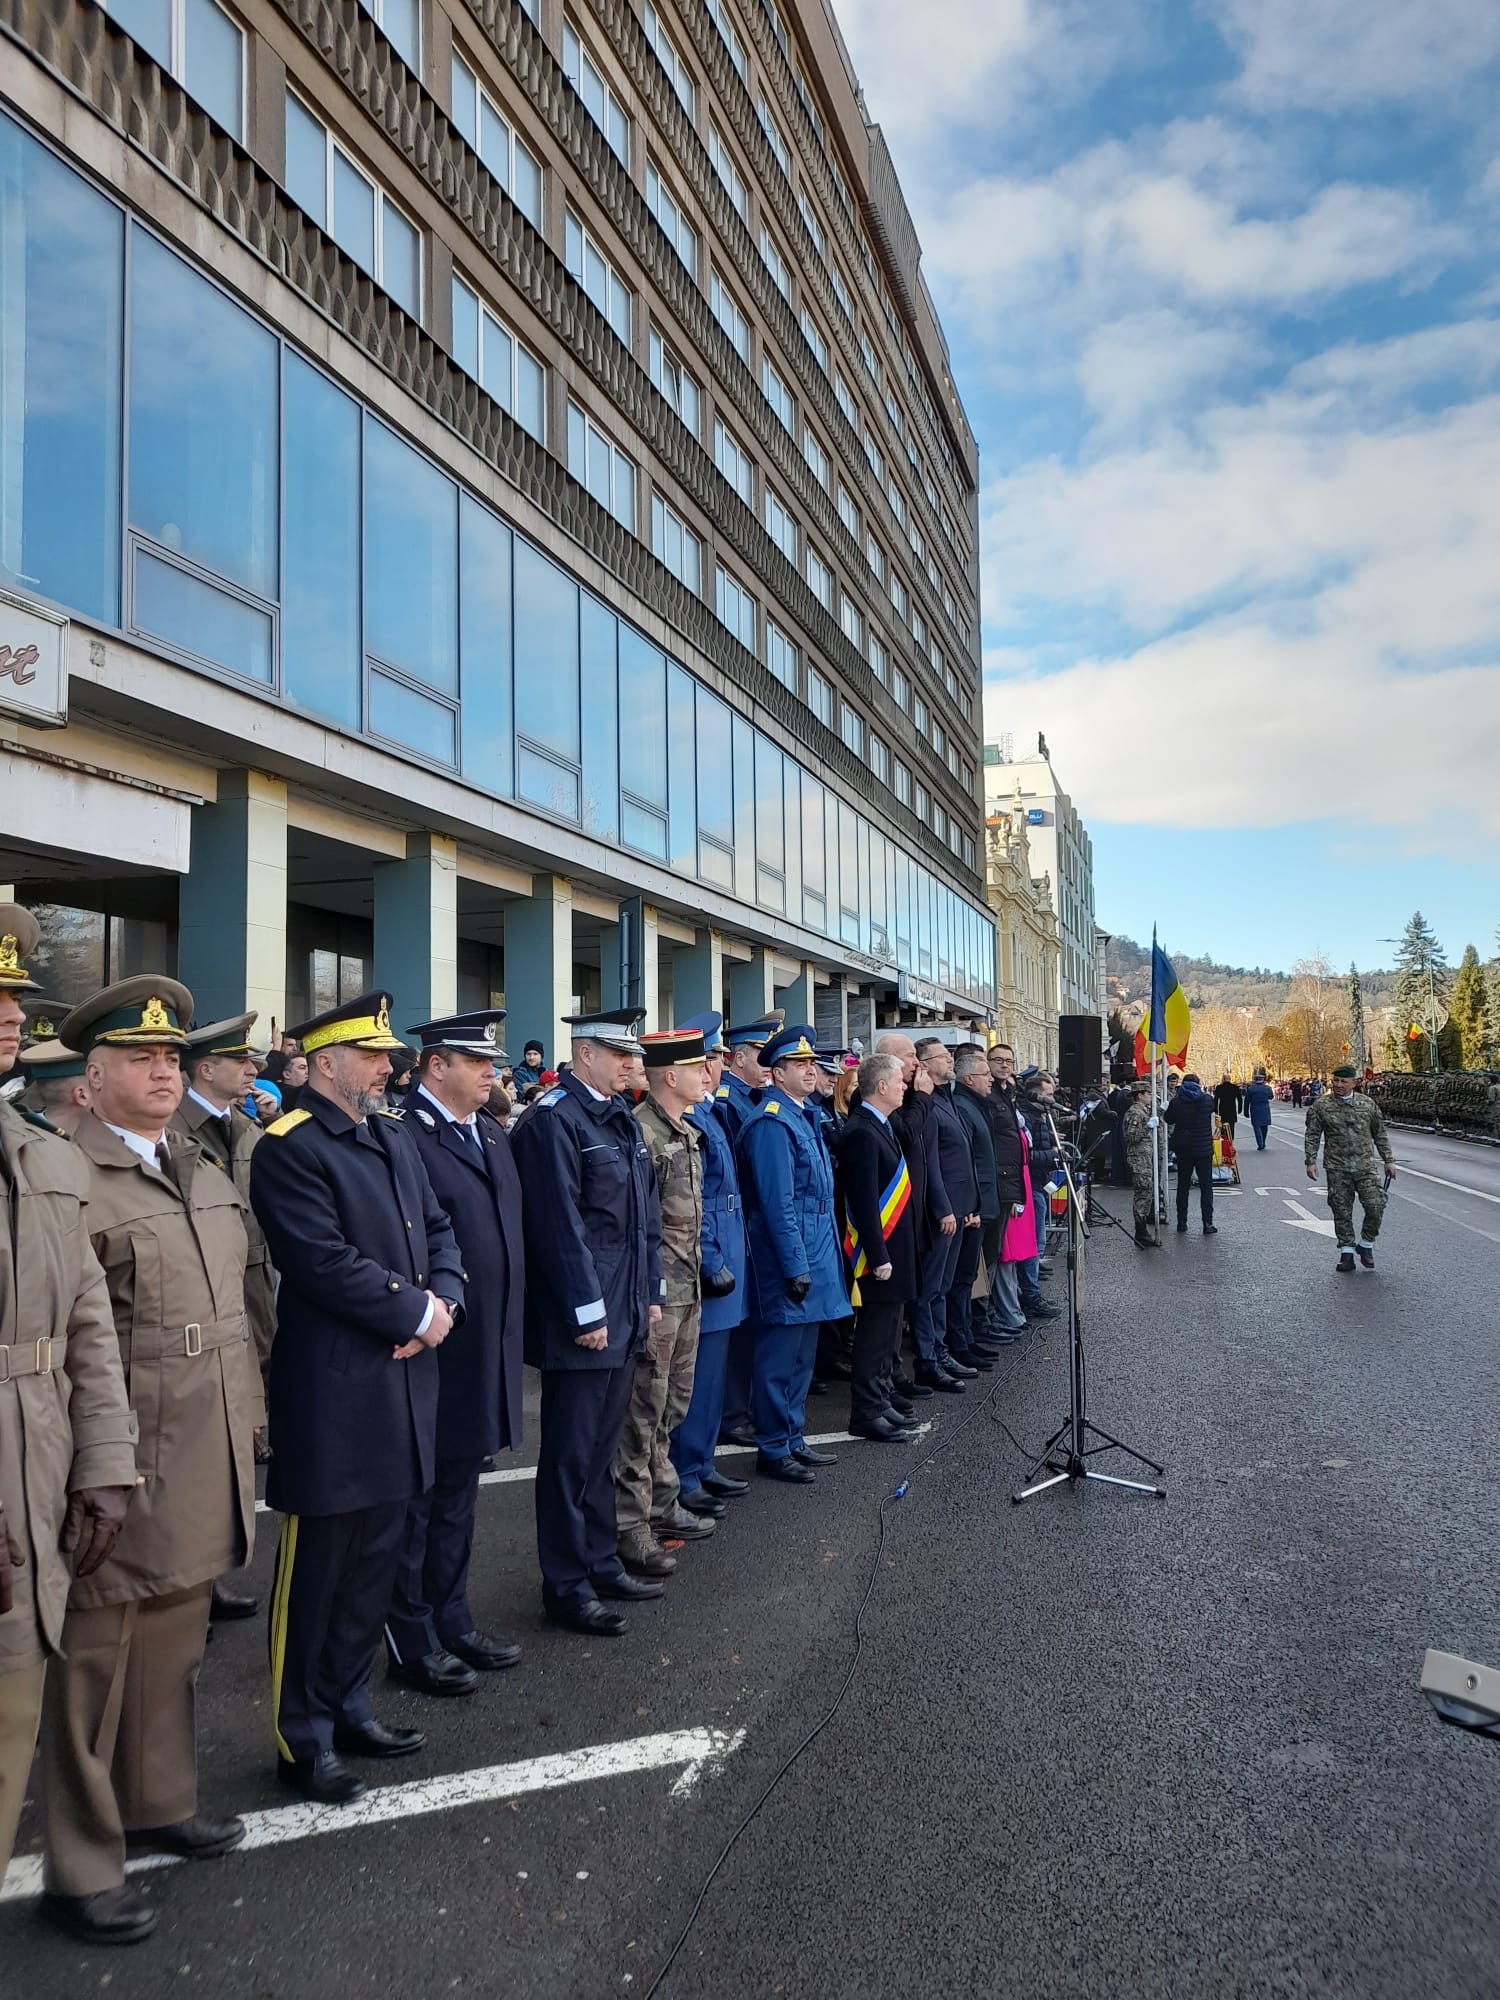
(1354, 1139)
(1141, 1126)
(119, 1747)
(67, 1438)
(646, 1485)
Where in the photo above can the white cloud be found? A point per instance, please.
(1135, 370)
(1328, 54)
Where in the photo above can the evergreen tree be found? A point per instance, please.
(1421, 983)
(1357, 1044)
(1468, 1011)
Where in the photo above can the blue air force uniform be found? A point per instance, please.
(787, 1179)
(734, 1103)
(473, 1176)
(593, 1259)
(722, 1253)
(360, 1240)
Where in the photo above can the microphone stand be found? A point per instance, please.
(1066, 1453)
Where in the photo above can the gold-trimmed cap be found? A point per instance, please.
(224, 1038)
(133, 1013)
(363, 1023)
(20, 934)
(793, 1044)
(673, 1048)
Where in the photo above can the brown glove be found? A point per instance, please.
(105, 1508)
(12, 1556)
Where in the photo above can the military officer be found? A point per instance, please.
(56, 1088)
(703, 1488)
(1353, 1137)
(371, 1285)
(67, 1438)
(646, 1485)
(796, 1269)
(744, 1078)
(432, 1636)
(119, 1756)
(1140, 1135)
(594, 1291)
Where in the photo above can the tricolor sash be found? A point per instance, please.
(892, 1207)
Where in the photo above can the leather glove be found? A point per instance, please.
(12, 1556)
(798, 1288)
(105, 1507)
(718, 1284)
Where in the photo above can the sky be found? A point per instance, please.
(1221, 288)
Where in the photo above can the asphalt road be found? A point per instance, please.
(1102, 1743)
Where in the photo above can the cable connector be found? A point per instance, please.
(900, 1492)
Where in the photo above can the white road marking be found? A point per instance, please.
(1404, 1172)
(1305, 1219)
(699, 1750)
(513, 1473)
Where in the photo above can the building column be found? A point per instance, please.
(416, 930)
(612, 972)
(231, 906)
(539, 966)
(798, 999)
(698, 977)
(752, 988)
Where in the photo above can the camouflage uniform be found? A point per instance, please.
(646, 1484)
(1353, 1133)
(1139, 1140)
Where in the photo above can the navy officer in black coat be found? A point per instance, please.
(593, 1287)
(431, 1634)
(371, 1285)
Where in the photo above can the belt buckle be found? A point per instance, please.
(194, 1333)
(44, 1361)
(4, 1361)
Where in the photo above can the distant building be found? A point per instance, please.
(1026, 939)
(1061, 850)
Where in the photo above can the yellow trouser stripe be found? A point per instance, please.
(286, 1556)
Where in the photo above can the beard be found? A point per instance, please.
(366, 1102)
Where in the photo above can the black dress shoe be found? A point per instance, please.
(789, 1469)
(723, 1487)
(200, 1838)
(435, 1673)
(906, 1385)
(738, 1434)
(628, 1589)
(375, 1739)
(325, 1779)
(807, 1456)
(700, 1501)
(880, 1430)
(586, 1615)
(1182, 1229)
(933, 1378)
(225, 1604)
(112, 1916)
(951, 1364)
(1210, 1229)
(478, 1649)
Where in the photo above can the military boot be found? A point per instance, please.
(1144, 1239)
(643, 1555)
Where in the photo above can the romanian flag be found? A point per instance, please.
(892, 1207)
(1169, 1023)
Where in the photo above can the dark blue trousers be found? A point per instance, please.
(739, 1374)
(329, 1596)
(1203, 1167)
(430, 1603)
(784, 1357)
(583, 1412)
(692, 1443)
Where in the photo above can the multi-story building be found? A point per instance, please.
(1062, 851)
(482, 491)
(1026, 945)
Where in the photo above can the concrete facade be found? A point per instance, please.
(1062, 851)
(1026, 941)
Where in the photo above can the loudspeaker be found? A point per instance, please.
(1080, 1051)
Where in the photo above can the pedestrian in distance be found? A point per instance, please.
(433, 1638)
(1259, 1098)
(1228, 1103)
(1358, 1158)
(372, 1283)
(1190, 1117)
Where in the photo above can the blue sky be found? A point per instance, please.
(1220, 282)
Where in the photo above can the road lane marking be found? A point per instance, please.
(699, 1750)
(1416, 1173)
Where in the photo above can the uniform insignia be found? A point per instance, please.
(10, 953)
(427, 1118)
(722, 1091)
(773, 1107)
(382, 1020)
(551, 1097)
(154, 1015)
(287, 1122)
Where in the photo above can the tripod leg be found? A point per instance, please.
(1029, 1492)
(1114, 1444)
(1134, 1485)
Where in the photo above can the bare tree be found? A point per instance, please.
(1318, 1008)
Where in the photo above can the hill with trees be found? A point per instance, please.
(1209, 984)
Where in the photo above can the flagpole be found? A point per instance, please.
(1155, 1146)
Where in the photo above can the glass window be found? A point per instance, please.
(643, 721)
(598, 277)
(848, 511)
(841, 292)
(727, 313)
(815, 455)
(402, 22)
(668, 211)
(718, 13)
(781, 655)
(812, 334)
(187, 611)
(852, 729)
(508, 158)
(820, 579)
(919, 715)
(599, 100)
(722, 161)
(844, 397)
(735, 464)
(810, 223)
(779, 396)
(903, 783)
(600, 718)
(602, 467)
(900, 688)
(489, 751)
(491, 353)
(875, 558)
(204, 422)
(197, 43)
(670, 60)
(674, 543)
(715, 772)
(770, 825)
(880, 760)
(852, 622)
(360, 216)
(819, 697)
(774, 138)
(735, 606)
(546, 626)
(61, 346)
(673, 381)
(306, 161)
(411, 562)
(320, 592)
(775, 263)
(414, 720)
(780, 524)
(879, 658)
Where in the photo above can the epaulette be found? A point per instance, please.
(722, 1091)
(287, 1122)
(36, 1120)
(385, 1111)
(427, 1118)
(552, 1096)
(773, 1107)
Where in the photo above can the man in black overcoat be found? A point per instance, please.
(431, 1634)
(371, 1285)
(880, 1243)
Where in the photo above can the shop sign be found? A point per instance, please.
(33, 662)
(913, 992)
